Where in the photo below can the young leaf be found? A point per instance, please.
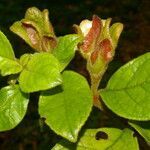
(8, 62)
(39, 19)
(128, 91)
(143, 128)
(67, 107)
(102, 139)
(40, 73)
(36, 30)
(65, 49)
(13, 106)
(18, 29)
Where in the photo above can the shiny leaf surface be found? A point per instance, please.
(67, 107)
(8, 62)
(40, 73)
(102, 139)
(65, 49)
(128, 91)
(13, 106)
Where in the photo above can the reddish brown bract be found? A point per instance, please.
(94, 56)
(106, 48)
(93, 34)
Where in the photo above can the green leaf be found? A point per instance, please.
(67, 107)
(40, 73)
(13, 106)
(21, 31)
(128, 91)
(24, 59)
(143, 128)
(8, 62)
(38, 19)
(102, 139)
(65, 49)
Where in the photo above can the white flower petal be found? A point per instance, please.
(85, 26)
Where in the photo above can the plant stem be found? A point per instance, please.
(95, 80)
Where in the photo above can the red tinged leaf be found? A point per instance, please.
(32, 34)
(48, 43)
(93, 34)
(44, 43)
(96, 101)
(106, 48)
(94, 56)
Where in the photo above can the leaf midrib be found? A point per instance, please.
(6, 102)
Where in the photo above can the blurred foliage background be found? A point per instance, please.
(134, 41)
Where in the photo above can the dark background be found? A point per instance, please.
(134, 41)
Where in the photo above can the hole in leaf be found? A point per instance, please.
(101, 135)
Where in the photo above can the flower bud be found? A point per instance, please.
(36, 30)
(99, 42)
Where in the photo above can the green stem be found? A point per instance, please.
(95, 81)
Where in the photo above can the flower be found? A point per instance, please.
(98, 36)
(85, 26)
(99, 41)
